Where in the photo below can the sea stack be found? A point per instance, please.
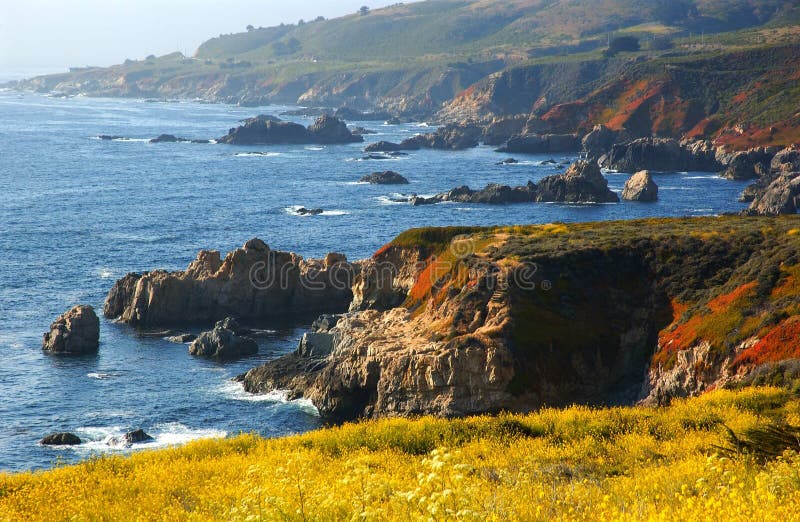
(74, 332)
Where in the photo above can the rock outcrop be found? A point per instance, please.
(448, 137)
(748, 164)
(781, 196)
(542, 144)
(384, 178)
(662, 154)
(226, 341)
(60, 439)
(500, 130)
(640, 187)
(251, 283)
(130, 438)
(476, 320)
(268, 130)
(77, 331)
(383, 146)
(581, 183)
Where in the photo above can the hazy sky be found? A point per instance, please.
(51, 35)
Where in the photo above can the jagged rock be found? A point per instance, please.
(264, 130)
(130, 438)
(600, 140)
(640, 187)
(225, 341)
(384, 178)
(168, 138)
(361, 131)
(745, 164)
(508, 161)
(782, 196)
(449, 137)
(757, 189)
(303, 211)
(329, 129)
(581, 183)
(786, 160)
(493, 193)
(500, 130)
(75, 332)
(252, 283)
(662, 154)
(540, 144)
(60, 439)
(383, 146)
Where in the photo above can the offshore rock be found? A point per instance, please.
(77, 331)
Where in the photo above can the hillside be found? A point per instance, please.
(414, 59)
(675, 463)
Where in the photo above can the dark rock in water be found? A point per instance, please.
(396, 154)
(361, 131)
(782, 196)
(132, 437)
(383, 146)
(223, 342)
(539, 144)
(262, 130)
(449, 137)
(385, 178)
(201, 142)
(60, 439)
(244, 284)
(303, 211)
(662, 154)
(74, 332)
(347, 113)
(329, 129)
(549, 162)
(168, 138)
(106, 137)
(640, 187)
(181, 338)
(581, 183)
(508, 161)
(393, 121)
(376, 157)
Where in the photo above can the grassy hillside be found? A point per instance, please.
(637, 463)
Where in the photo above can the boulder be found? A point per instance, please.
(329, 130)
(450, 137)
(60, 439)
(383, 146)
(640, 187)
(75, 332)
(540, 144)
(253, 283)
(223, 342)
(581, 183)
(782, 196)
(384, 178)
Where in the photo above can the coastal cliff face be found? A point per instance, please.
(523, 317)
(251, 283)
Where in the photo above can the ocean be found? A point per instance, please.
(77, 212)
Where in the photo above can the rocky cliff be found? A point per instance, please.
(463, 321)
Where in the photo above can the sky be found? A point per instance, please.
(39, 36)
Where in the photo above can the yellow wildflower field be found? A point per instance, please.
(578, 463)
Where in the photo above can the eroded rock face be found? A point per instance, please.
(640, 187)
(450, 137)
(329, 130)
(748, 164)
(786, 160)
(74, 332)
(540, 144)
(662, 154)
(252, 283)
(226, 341)
(581, 183)
(500, 130)
(781, 196)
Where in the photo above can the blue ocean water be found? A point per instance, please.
(76, 213)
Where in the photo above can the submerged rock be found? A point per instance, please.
(384, 178)
(60, 439)
(75, 332)
(508, 161)
(168, 138)
(303, 211)
(640, 187)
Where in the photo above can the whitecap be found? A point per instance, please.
(334, 213)
(100, 376)
(235, 391)
(315, 148)
(107, 439)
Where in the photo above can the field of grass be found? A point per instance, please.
(625, 463)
